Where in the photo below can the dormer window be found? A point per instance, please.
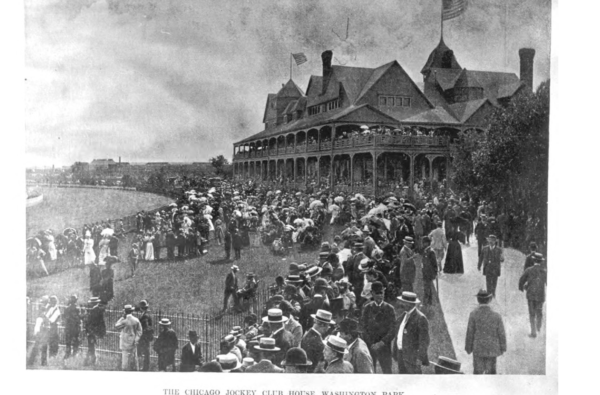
(394, 101)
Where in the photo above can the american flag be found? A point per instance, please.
(299, 58)
(453, 8)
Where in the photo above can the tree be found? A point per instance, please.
(219, 163)
(508, 164)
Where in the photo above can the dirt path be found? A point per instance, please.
(524, 355)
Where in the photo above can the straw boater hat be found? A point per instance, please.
(364, 265)
(336, 344)
(296, 356)
(446, 365)
(248, 362)
(94, 299)
(165, 322)
(236, 331)
(267, 344)
(293, 279)
(275, 316)
(313, 271)
(409, 239)
(492, 237)
(538, 258)
(409, 297)
(128, 308)
(323, 316)
(228, 362)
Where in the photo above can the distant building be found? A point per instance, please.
(101, 164)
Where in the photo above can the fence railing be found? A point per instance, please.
(210, 327)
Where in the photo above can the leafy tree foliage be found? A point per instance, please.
(508, 164)
(219, 163)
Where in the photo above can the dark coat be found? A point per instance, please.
(147, 329)
(454, 258)
(189, 359)
(528, 261)
(227, 240)
(430, 267)
(377, 321)
(312, 343)
(166, 344)
(231, 282)
(236, 241)
(408, 268)
(485, 333)
(94, 324)
(284, 340)
(491, 260)
(415, 340)
(72, 319)
(360, 357)
(95, 279)
(533, 280)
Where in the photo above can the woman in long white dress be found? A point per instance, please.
(89, 256)
(149, 255)
(104, 250)
(51, 246)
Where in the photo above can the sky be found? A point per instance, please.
(181, 80)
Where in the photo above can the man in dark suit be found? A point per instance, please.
(231, 287)
(283, 338)
(408, 269)
(491, 259)
(410, 336)
(533, 281)
(171, 240)
(358, 352)
(529, 259)
(143, 346)
(377, 321)
(165, 346)
(95, 279)
(430, 270)
(312, 342)
(481, 233)
(486, 337)
(227, 244)
(191, 355)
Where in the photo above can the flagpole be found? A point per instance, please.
(442, 21)
(291, 75)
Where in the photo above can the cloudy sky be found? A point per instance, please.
(181, 80)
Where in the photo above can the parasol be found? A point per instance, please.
(107, 232)
(378, 210)
(338, 199)
(173, 205)
(333, 207)
(68, 231)
(364, 127)
(315, 204)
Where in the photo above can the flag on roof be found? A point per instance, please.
(299, 58)
(453, 8)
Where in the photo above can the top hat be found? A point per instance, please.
(228, 362)
(323, 316)
(447, 365)
(348, 325)
(337, 344)
(165, 322)
(296, 356)
(409, 297)
(267, 344)
(275, 316)
(192, 334)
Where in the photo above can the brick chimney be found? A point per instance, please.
(326, 58)
(526, 56)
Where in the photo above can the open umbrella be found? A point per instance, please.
(378, 210)
(315, 204)
(338, 199)
(69, 231)
(107, 232)
(364, 127)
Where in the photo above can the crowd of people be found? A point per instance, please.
(334, 314)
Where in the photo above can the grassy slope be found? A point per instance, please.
(64, 207)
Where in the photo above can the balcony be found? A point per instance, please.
(300, 149)
(273, 151)
(290, 150)
(312, 147)
(326, 146)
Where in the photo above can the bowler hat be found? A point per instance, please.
(296, 356)
(446, 365)
(192, 334)
(348, 325)
(377, 287)
(483, 295)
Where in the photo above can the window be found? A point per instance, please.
(314, 110)
(332, 105)
(394, 101)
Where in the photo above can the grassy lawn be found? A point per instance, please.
(196, 286)
(73, 207)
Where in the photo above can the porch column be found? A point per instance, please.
(412, 172)
(374, 173)
(351, 172)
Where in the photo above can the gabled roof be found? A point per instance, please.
(441, 57)
(353, 79)
(494, 82)
(299, 105)
(435, 115)
(445, 77)
(290, 106)
(290, 89)
(464, 110)
(509, 89)
(314, 85)
(269, 112)
(467, 80)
